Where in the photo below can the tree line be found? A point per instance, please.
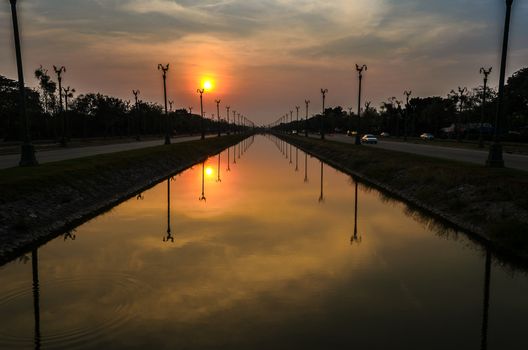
(459, 114)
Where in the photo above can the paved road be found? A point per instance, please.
(11, 160)
(514, 161)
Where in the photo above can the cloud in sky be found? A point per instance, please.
(266, 55)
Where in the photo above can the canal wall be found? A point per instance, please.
(454, 193)
(55, 198)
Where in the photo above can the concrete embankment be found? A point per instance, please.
(489, 204)
(37, 204)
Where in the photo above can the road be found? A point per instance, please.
(513, 161)
(11, 160)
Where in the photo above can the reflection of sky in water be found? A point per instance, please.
(260, 264)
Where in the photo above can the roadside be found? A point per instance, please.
(38, 203)
(490, 203)
(475, 156)
(56, 154)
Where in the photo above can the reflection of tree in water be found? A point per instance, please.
(70, 235)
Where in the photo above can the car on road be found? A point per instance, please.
(369, 138)
(426, 136)
(384, 134)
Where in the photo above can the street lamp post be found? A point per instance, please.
(234, 123)
(291, 122)
(228, 127)
(323, 92)
(307, 102)
(461, 96)
(201, 91)
(297, 124)
(138, 119)
(407, 95)
(68, 92)
(486, 73)
(360, 75)
(165, 69)
(495, 159)
(218, 115)
(27, 151)
(59, 72)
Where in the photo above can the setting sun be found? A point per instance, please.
(209, 171)
(207, 84)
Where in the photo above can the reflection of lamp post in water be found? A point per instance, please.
(487, 280)
(355, 238)
(296, 159)
(219, 161)
(306, 167)
(228, 158)
(169, 233)
(202, 198)
(321, 197)
(36, 296)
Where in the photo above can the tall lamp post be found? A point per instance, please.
(201, 91)
(138, 120)
(27, 151)
(227, 109)
(360, 75)
(461, 96)
(59, 72)
(165, 69)
(407, 96)
(495, 159)
(307, 102)
(323, 92)
(218, 115)
(486, 73)
(297, 124)
(68, 92)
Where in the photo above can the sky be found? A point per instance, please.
(265, 56)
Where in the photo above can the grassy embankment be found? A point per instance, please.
(38, 203)
(492, 203)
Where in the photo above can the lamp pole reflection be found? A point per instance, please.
(36, 296)
(321, 197)
(485, 311)
(355, 238)
(296, 159)
(169, 237)
(202, 198)
(228, 159)
(305, 167)
(219, 164)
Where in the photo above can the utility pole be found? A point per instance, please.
(165, 69)
(495, 159)
(407, 95)
(218, 115)
(59, 72)
(323, 92)
(360, 75)
(201, 91)
(307, 102)
(138, 118)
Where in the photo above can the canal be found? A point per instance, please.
(262, 247)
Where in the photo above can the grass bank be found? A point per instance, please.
(38, 203)
(491, 203)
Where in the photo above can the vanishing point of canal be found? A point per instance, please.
(264, 255)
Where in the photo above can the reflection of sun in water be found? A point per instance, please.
(209, 171)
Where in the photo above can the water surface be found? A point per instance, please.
(262, 252)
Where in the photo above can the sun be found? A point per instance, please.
(207, 84)
(209, 171)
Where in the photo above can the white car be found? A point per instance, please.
(426, 136)
(369, 138)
